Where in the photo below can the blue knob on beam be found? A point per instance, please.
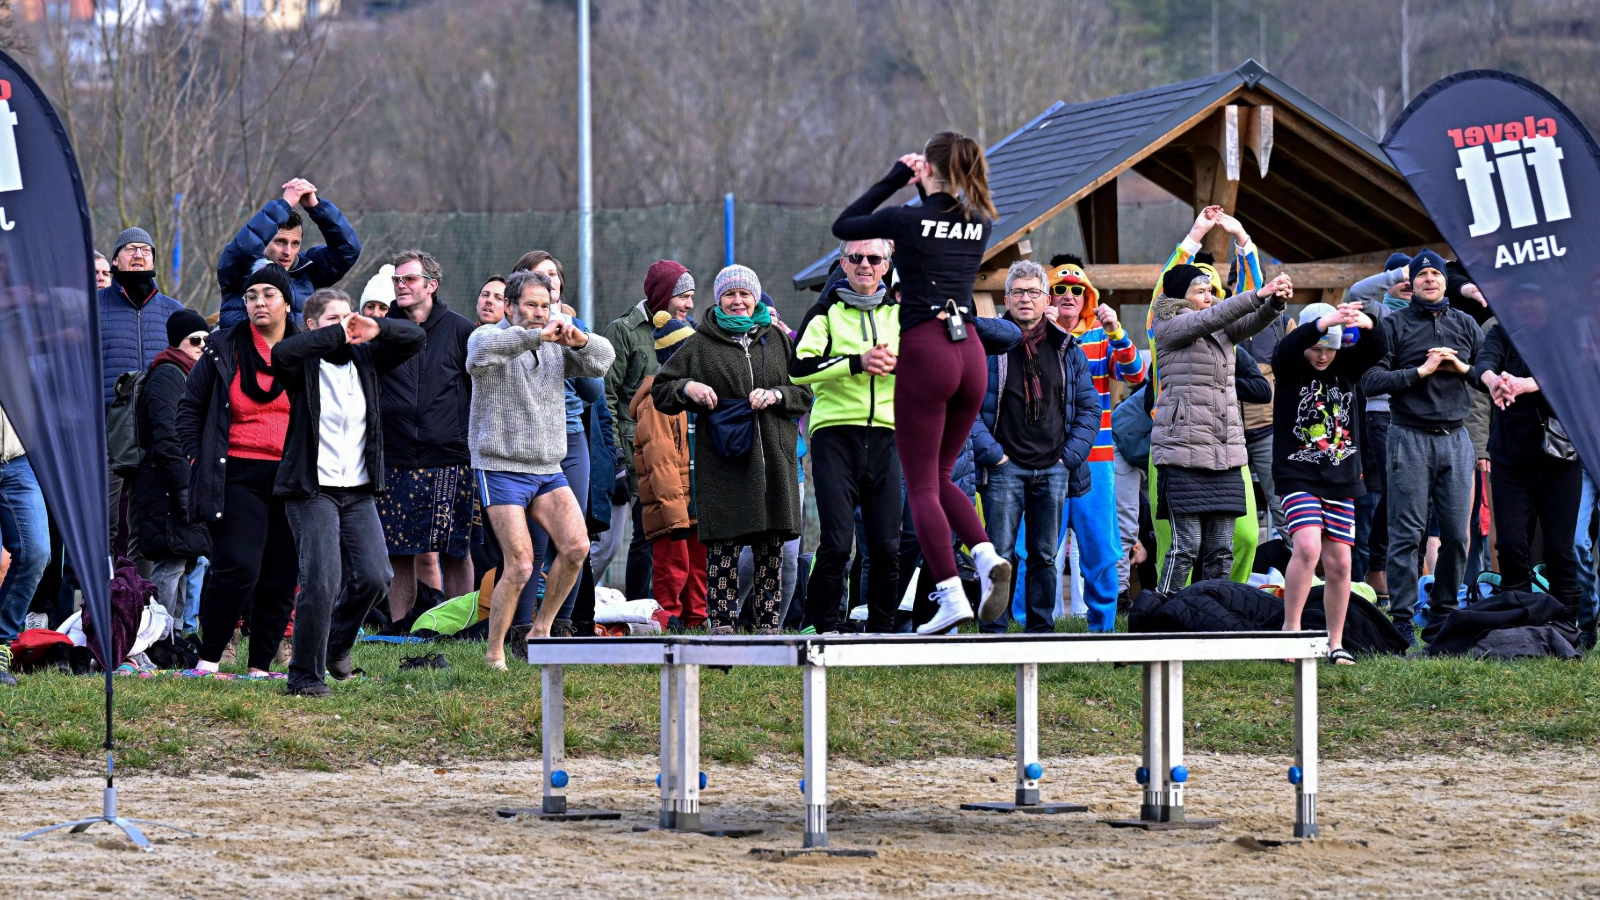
(1180, 774)
(702, 781)
(1033, 770)
(559, 778)
(1141, 775)
(802, 785)
(1295, 775)
(658, 779)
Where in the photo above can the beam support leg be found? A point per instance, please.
(1305, 749)
(816, 748)
(669, 742)
(554, 736)
(686, 750)
(1154, 749)
(1173, 772)
(1027, 732)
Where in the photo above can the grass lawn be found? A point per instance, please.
(53, 724)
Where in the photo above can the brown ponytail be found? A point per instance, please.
(960, 160)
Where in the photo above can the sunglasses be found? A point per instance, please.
(857, 259)
(195, 340)
(412, 280)
(1061, 290)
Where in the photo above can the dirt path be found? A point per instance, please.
(1525, 826)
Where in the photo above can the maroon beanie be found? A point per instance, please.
(665, 280)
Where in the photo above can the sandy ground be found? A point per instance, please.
(1488, 825)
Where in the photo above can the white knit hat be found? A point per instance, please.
(379, 287)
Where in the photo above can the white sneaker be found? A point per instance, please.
(994, 582)
(953, 608)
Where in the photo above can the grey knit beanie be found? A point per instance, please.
(133, 236)
(736, 277)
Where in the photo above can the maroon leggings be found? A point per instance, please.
(938, 390)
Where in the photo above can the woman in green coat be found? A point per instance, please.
(733, 375)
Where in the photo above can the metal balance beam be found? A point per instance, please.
(1162, 774)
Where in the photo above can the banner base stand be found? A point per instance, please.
(130, 827)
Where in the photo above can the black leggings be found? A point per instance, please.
(254, 566)
(722, 580)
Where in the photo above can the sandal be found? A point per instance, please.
(1341, 657)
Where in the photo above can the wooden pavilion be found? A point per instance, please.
(1315, 192)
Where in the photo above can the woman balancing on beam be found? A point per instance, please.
(941, 371)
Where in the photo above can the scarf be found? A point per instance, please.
(1395, 303)
(1032, 385)
(252, 366)
(176, 357)
(741, 324)
(138, 287)
(1436, 307)
(863, 302)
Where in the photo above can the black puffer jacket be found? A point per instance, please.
(1220, 606)
(161, 489)
(1208, 606)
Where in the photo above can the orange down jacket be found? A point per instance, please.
(661, 458)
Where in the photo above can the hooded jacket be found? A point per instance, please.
(427, 400)
(828, 358)
(662, 451)
(1109, 357)
(131, 333)
(316, 267)
(1198, 422)
(759, 492)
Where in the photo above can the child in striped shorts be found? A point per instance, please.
(1316, 454)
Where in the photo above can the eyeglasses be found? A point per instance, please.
(1030, 293)
(195, 340)
(411, 280)
(857, 259)
(1061, 290)
(139, 249)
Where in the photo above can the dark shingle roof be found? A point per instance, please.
(1068, 147)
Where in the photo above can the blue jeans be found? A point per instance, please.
(25, 533)
(1583, 544)
(1015, 495)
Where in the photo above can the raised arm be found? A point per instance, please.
(333, 260)
(491, 345)
(1185, 328)
(239, 257)
(591, 360)
(859, 222)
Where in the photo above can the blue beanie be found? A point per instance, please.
(1396, 261)
(1427, 259)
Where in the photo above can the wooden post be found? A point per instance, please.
(1212, 187)
(1097, 219)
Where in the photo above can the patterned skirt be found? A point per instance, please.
(429, 511)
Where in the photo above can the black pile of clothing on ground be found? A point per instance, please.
(1221, 606)
(1508, 625)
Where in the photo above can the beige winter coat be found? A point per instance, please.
(1198, 424)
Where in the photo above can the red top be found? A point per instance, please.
(257, 430)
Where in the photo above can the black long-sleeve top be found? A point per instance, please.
(1517, 434)
(1440, 400)
(937, 246)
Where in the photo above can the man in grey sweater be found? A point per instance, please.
(518, 437)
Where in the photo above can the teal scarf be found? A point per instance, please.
(741, 324)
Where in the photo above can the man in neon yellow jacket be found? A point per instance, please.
(846, 354)
(1247, 265)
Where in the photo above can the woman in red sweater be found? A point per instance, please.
(233, 419)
